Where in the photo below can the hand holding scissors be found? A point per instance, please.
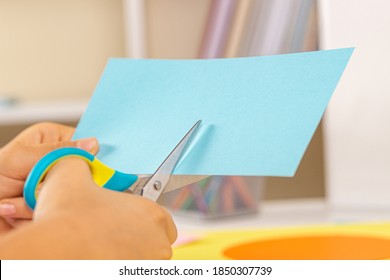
(150, 186)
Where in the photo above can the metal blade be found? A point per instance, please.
(179, 181)
(156, 185)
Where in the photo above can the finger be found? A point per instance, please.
(170, 228)
(34, 153)
(61, 187)
(21, 159)
(163, 218)
(15, 208)
(45, 132)
(10, 187)
(18, 222)
(10, 222)
(14, 223)
(55, 132)
(88, 144)
(67, 172)
(4, 226)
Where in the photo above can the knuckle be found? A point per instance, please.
(166, 253)
(159, 216)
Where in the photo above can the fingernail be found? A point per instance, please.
(87, 144)
(7, 209)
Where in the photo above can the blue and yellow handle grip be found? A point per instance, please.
(103, 175)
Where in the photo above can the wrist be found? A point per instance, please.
(70, 238)
(55, 237)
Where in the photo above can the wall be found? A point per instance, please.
(175, 27)
(57, 48)
(356, 127)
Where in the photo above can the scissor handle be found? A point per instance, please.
(103, 175)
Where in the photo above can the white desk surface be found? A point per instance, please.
(285, 213)
(32, 112)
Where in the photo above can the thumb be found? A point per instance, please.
(66, 185)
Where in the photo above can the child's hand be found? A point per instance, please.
(20, 155)
(109, 224)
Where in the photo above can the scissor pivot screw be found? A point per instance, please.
(157, 185)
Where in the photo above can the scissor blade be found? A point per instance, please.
(156, 185)
(179, 181)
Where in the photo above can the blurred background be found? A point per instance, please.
(52, 53)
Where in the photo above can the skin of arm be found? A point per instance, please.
(76, 219)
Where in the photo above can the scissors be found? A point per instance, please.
(150, 186)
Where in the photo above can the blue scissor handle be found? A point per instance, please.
(103, 175)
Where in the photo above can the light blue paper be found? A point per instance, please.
(258, 113)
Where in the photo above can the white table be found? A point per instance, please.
(280, 213)
(23, 113)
